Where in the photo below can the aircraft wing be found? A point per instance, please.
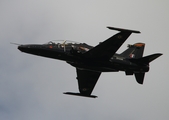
(86, 82)
(106, 49)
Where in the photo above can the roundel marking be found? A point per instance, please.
(84, 89)
(119, 36)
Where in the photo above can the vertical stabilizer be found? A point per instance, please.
(134, 51)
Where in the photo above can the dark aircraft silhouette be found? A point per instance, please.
(90, 61)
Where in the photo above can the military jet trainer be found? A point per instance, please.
(90, 61)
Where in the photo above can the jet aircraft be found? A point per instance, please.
(90, 61)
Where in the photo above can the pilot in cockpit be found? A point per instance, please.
(79, 49)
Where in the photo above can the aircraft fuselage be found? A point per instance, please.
(72, 54)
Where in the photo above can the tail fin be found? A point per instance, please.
(134, 51)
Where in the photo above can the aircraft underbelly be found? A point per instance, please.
(91, 66)
(109, 66)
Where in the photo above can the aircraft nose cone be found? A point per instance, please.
(23, 48)
(20, 47)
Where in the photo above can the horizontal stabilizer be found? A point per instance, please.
(78, 94)
(151, 57)
(139, 77)
(120, 29)
(146, 59)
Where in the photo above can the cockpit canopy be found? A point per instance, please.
(68, 45)
(64, 42)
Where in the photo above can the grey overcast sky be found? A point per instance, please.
(31, 87)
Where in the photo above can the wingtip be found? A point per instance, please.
(121, 29)
(78, 94)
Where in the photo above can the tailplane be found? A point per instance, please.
(150, 58)
(139, 77)
(146, 60)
